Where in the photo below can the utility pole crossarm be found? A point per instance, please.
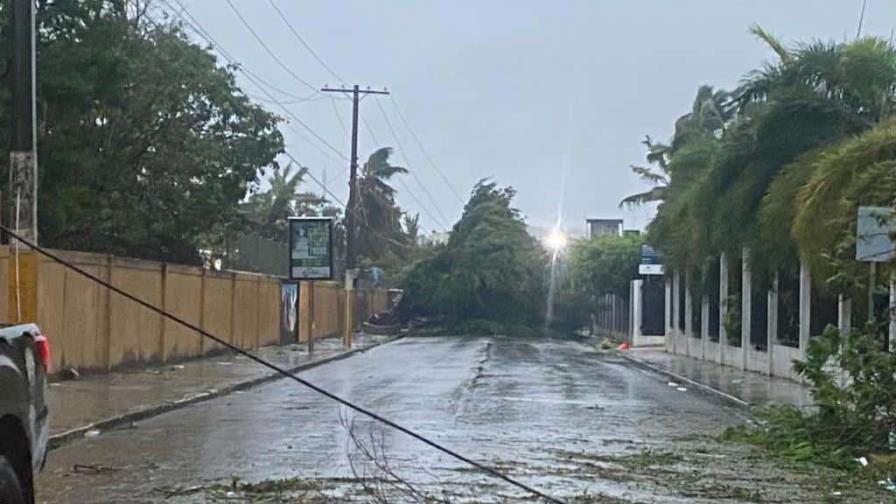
(347, 90)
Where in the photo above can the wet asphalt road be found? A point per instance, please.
(527, 406)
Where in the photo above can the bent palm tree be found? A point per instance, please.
(709, 116)
(377, 210)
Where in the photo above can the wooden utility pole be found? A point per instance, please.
(21, 202)
(351, 225)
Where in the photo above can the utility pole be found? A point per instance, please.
(22, 197)
(21, 201)
(351, 224)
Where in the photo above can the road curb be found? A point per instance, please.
(725, 396)
(63, 438)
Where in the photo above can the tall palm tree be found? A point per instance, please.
(378, 212)
(268, 212)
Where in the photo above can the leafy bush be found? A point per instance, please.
(852, 382)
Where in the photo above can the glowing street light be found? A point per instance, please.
(556, 241)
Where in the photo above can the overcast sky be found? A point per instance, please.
(550, 97)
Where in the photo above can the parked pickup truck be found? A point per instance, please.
(24, 363)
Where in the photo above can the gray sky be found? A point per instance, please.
(552, 98)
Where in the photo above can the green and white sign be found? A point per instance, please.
(310, 248)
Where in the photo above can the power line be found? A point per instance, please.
(302, 40)
(370, 131)
(286, 153)
(423, 150)
(267, 49)
(193, 23)
(339, 117)
(197, 28)
(279, 370)
(413, 174)
(297, 101)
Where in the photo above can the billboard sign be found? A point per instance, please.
(650, 261)
(310, 248)
(874, 229)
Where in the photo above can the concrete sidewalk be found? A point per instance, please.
(739, 386)
(105, 401)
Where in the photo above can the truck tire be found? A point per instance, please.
(11, 491)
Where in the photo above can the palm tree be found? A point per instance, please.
(268, 212)
(710, 114)
(377, 211)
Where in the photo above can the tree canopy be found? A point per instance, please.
(491, 270)
(146, 143)
(791, 153)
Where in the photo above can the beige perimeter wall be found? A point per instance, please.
(92, 328)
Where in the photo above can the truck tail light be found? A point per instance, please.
(42, 352)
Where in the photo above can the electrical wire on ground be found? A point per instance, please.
(345, 402)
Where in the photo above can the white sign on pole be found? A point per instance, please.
(650, 269)
(874, 229)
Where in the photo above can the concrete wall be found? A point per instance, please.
(91, 328)
(329, 308)
(782, 361)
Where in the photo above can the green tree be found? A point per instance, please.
(146, 144)
(382, 239)
(488, 277)
(604, 265)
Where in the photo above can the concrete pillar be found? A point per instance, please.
(637, 310)
(676, 302)
(688, 315)
(844, 316)
(746, 302)
(723, 305)
(890, 311)
(704, 324)
(805, 307)
(667, 301)
(772, 328)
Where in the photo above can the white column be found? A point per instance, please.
(704, 323)
(688, 314)
(667, 301)
(844, 316)
(746, 303)
(637, 310)
(676, 300)
(772, 328)
(805, 307)
(723, 305)
(890, 311)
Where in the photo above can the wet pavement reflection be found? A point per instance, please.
(558, 414)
